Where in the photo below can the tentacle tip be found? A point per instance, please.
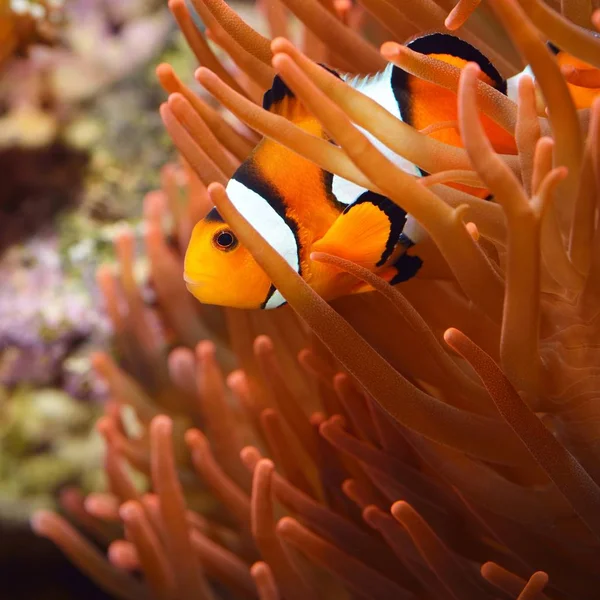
(40, 521)
(104, 426)
(337, 421)
(450, 23)
(164, 111)
(236, 378)
(129, 510)
(268, 414)
(205, 350)
(348, 484)
(204, 74)
(176, 99)
(98, 360)
(265, 466)
(317, 419)
(262, 344)
(124, 236)
(472, 69)
(193, 437)
(161, 425)
(567, 70)
(369, 512)
(319, 256)
(151, 501)
(400, 505)
(280, 60)
(450, 335)
(473, 230)
(250, 457)
(542, 577)
(280, 44)
(215, 188)
(525, 82)
(285, 525)
(163, 70)
(304, 354)
(390, 50)
(401, 509)
(94, 505)
(340, 379)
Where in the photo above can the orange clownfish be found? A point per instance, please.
(583, 96)
(299, 208)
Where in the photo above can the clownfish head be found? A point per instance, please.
(219, 270)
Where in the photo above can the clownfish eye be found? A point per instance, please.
(225, 240)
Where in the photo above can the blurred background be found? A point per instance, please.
(81, 143)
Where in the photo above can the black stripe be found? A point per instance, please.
(405, 241)
(393, 212)
(271, 291)
(407, 266)
(399, 83)
(444, 43)
(439, 43)
(332, 71)
(214, 216)
(279, 90)
(249, 175)
(327, 179)
(553, 48)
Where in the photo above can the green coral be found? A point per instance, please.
(47, 440)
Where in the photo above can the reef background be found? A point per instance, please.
(75, 170)
(415, 460)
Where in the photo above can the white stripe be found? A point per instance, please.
(413, 230)
(378, 87)
(346, 191)
(512, 84)
(276, 300)
(270, 225)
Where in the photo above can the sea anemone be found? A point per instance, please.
(437, 439)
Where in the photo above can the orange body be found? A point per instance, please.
(298, 208)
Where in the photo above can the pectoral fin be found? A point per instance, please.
(366, 233)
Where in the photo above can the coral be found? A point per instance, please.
(94, 38)
(38, 185)
(47, 443)
(437, 439)
(52, 146)
(52, 321)
(23, 23)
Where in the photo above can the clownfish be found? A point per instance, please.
(299, 208)
(582, 97)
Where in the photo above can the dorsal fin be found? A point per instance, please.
(444, 43)
(281, 100)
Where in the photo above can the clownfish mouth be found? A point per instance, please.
(190, 282)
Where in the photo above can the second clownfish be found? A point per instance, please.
(298, 208)
(582, 97)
